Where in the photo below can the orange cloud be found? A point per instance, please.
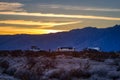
(60, 15)
(37, 23)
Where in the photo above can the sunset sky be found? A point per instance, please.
(50, 16)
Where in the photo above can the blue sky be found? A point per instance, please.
(47, 16)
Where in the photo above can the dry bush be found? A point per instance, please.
(4, 64)
(34, 68)
(82, 71)
(11, 71)
(114, 75)
(79, 74)
(59, 74)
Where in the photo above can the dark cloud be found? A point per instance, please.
(99, 3)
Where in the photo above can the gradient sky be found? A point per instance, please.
(49, 16)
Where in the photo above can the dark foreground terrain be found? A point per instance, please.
(42, 65)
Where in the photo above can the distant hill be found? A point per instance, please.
(108, 39)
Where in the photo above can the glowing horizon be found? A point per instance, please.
(14, 31)
(43, 17)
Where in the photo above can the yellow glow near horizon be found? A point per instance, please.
(33, 27)
(11, 31)
(43, 18)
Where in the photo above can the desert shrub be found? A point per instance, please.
(82, 71)
(109, 61)
(4, 53)
(84, 66)
(1, 70)
(114, 75)
(79, 73)
(114, 62)
(4, 64)
(36, 66)
(30, 62)
(7, 77)
(62, 74)
(11, 70)
(66, 76)
(56, 74)
(37, 70)
(59, 74)
(47, 63)
(118, 68)
(117, 61)
(25, 75)
(96, 77)
(16, 53)
(101, 70)
(43, 62)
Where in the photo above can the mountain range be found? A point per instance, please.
(108, 39)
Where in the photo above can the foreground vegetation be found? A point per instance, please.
(43, 65)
